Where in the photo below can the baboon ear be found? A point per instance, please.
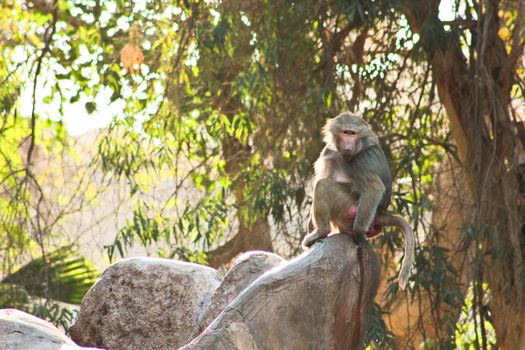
(328, 134)
(326, 128)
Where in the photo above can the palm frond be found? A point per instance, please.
(61, 275)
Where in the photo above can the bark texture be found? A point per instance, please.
(475, 89)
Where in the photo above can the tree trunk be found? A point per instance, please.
(476, 93)
(416, 320)
(255, 237)
(250, 236)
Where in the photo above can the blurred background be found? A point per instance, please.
(188, 130)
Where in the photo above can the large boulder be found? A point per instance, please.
(319, 300)
(246, 269)
(145, 303)
(22, 331)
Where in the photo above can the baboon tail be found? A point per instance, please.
(389, 219)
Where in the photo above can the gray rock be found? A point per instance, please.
(246, 269)
(22, 331)
(145, 303)
(319, 300)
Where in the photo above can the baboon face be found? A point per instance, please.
(348, 142)
(346, 133)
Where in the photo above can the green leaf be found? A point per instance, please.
(74, 99)
(91, 107)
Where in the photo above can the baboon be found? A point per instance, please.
(352, 168)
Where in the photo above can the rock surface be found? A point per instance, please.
(145, 303)
(246, 269)
(22, 331)
(319, 300)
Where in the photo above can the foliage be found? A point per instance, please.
(377, 334)
(59, 275)
(37, 286)
(60, 316)
(467, 332)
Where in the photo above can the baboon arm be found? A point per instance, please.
(369, 200)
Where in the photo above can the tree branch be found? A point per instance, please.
(44, 6)
(48, 37)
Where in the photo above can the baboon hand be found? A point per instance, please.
(372, 231)
(360, 228)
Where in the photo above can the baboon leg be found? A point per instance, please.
(330, 203)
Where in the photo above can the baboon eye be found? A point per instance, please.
(349, 132)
